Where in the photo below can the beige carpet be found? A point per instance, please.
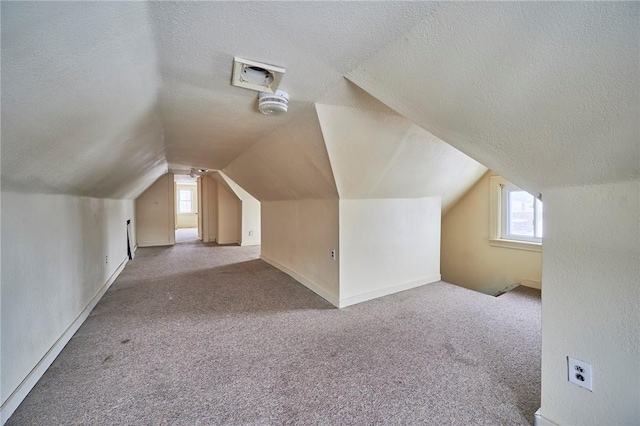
(205, 334)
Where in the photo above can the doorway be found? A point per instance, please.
(187, 206)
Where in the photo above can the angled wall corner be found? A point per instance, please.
(377, 155)
(298, 237)
(249, 222)
(288, 164)
(155, 214)
(387, 246)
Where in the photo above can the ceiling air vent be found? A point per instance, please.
(273, 103)
(256, 76)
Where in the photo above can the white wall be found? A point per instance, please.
(298, 236)
(387, 245)
(155, 214)
(590, 303)
(467, 258)
(251, 223)
(58, 252)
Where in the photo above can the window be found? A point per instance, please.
(516, 217)
(185, 201)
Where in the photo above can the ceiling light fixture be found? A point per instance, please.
(273, 103)
(198, 172)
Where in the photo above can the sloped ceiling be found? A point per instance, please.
(79, 96)
(100, 98)
(547, 94)
(384, 155)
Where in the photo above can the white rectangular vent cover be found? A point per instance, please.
(256, 76)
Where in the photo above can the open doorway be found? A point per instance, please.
(186, 195)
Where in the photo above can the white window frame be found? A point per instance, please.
(191, 191)
(497, 224)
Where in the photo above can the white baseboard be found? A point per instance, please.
(156, 244)
(302, 280)
(539, 420)
(23, 389)
(359, 298)
(250, 243)
(222, 242)
(531, 284)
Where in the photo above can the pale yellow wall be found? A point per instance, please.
(298, 236)
(209, 209)
(186, 220)
(467, 258)
(155, 214)
(228, 215)
(387, 245)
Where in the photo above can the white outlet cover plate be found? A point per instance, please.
(580, 373)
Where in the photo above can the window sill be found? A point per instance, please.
(518, 245)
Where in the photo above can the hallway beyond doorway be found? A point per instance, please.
(186, 235)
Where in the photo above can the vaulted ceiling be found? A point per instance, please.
(101, 98)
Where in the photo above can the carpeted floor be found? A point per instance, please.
(207, 334)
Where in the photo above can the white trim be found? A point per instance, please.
(19, 394)
(532, 284)
(302, 280)
(514, 244)
(156, 244)
(496, 183)
(495, 206)
(539, 420)
(227, 242)
(359, 298)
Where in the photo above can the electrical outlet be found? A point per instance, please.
(106, 259)
(580, 373)
(333, 254)
(250, 233)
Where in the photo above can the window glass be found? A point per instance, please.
(185, 205)
(521, 215)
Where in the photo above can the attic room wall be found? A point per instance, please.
(394, 179)
(229, 211)
(467, 258)
(59, 253)
(155, 214)
(590, 267)
(289, 172)
(387, 245)
(209, 209)
(251, 229)
(249, 219)
(297, 238)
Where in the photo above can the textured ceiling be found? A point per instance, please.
(546, 94)
(382, 155)
(79, 95)
(100, 98)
